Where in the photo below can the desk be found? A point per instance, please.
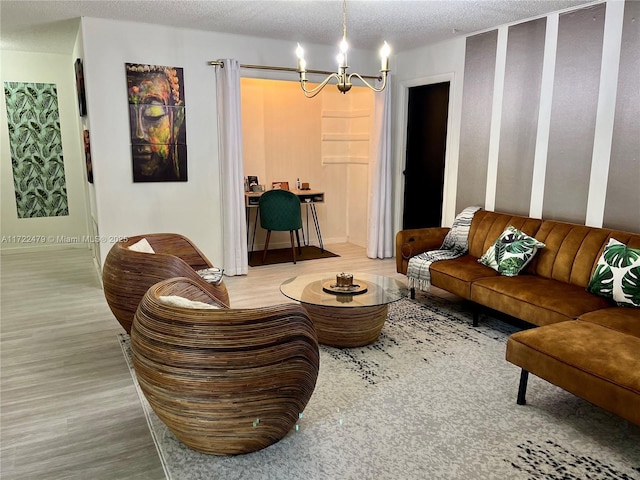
(309, 198)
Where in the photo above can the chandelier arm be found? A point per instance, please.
(313, 92)
(384, 81)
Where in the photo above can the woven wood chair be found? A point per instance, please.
(128, 274)
(225, 381)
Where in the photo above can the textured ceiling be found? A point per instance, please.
(51, 26)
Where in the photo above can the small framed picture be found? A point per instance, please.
(82, 100)
(280, 185)
(87, 156)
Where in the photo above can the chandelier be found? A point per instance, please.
(343, 79)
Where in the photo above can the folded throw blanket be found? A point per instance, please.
(455, 245)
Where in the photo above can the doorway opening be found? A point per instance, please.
(427, 117)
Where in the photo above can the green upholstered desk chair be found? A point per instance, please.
(280, 211)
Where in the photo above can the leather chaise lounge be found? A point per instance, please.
(584, 343)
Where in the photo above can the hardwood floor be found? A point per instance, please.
(69, 409)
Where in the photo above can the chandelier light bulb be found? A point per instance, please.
(384, 56)
(385, 51)
(302, 64)
(340, 60)
(344, 46)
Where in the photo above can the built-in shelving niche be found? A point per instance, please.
(345, 136)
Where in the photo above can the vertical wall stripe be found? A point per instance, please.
(606, 113)
(521, 98)
(475, 127)
(622, 207)
(496, 119)
(573, 113)
(544, 116)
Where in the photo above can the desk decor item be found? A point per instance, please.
(252, 180)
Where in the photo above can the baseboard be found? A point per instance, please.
(41, 248)
(286, 244)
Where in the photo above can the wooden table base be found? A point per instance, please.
(347, 327)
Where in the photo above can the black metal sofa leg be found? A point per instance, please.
(476, 317)
(522, 389)
(412, 292)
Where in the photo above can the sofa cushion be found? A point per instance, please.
(617, 274)
(534, 299)
(487, 226)
(511, 252)
(456, 275)
(577, 356)
(622, 319)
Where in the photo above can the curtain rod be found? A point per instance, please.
(218, 63)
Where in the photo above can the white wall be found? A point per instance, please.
(59, 70)
(192, 208)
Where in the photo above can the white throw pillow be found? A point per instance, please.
(141, 246)
(177, 301)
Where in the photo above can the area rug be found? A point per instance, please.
(285, 255)
(433, 398)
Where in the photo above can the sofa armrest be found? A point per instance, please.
(410, 243)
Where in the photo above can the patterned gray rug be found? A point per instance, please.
(433, 398)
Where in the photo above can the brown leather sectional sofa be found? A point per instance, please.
(583, 343)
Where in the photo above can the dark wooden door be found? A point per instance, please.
(426, 145)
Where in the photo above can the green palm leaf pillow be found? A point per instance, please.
(617, 274)
(511, 252)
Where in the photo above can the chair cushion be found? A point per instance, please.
(178, 301)
(142, 246)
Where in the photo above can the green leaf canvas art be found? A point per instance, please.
(36, 149)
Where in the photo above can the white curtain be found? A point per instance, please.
(234, 225)
(380, 235)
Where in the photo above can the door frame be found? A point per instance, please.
(451, 152)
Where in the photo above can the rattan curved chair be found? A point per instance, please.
(128, 274)
(280, 211)
(225, 381)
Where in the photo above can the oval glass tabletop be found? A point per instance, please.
(315, 289)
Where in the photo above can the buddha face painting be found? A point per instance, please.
(156, 116)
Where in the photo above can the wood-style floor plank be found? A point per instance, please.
(69, 409)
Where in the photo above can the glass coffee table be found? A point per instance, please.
(345, 317)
